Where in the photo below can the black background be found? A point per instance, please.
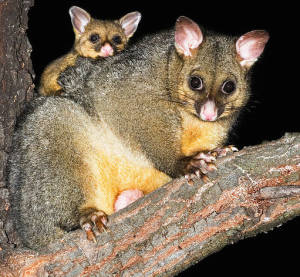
(272, 111)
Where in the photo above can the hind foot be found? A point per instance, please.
(90, 218)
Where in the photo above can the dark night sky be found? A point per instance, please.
(273, 109)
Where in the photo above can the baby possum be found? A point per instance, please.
(93, 39)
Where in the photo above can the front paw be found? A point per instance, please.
(199, 166)
(204, 162)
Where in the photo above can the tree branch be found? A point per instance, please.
(16, 88)
(179, 224)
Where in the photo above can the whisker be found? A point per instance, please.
(181, 98)
(172, 101)
(229, 102)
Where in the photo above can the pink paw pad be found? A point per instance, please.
(127, 197)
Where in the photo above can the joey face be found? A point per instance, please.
(101, 38)
(213, 81)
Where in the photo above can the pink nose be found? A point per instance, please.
(106, 50)
(209, 111)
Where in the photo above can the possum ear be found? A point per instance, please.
(80, 18)
(188, 36)
(250, 46)
(130, 22)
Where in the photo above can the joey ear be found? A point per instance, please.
(80, 18)
(250, 46)
(130, 22)
(188, 36)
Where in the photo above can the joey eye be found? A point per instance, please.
(195, 83)
(228, 87)
(94, 38)
(117, 39)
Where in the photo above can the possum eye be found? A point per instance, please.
(94, 38)
(195, 83)
(228, 87)
(117, 39)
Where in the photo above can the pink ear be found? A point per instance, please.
(250, 46)
(130, 22)
(79, 18)
(187, 35)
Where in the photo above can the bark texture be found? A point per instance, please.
(16, 88)
(179, 224)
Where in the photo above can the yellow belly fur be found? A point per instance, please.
(198, 135)
(112, 170)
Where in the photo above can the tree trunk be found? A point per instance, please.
(179, 224)
(166, 231)
(16, 88)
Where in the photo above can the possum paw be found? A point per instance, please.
(91, 218)
(202, 163)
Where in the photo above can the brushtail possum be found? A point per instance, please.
(93, 39)
(125, 126)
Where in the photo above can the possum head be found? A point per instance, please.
(213, 79)
(101, 38)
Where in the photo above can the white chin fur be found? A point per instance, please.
(208, 119)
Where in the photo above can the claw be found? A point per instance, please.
(89, 232)
(197, 172)
(222, 152)
(211, 167)
(205, 179)
(206, 157)
(233, 148)
(100, 220)
(189, 178)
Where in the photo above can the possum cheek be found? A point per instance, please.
(127, 197)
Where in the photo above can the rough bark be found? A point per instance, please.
(179, 224)
(16, 88)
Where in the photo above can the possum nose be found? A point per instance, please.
(209, 111)
(106, 50)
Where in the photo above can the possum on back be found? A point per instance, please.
(94, 39)
(125, 126)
